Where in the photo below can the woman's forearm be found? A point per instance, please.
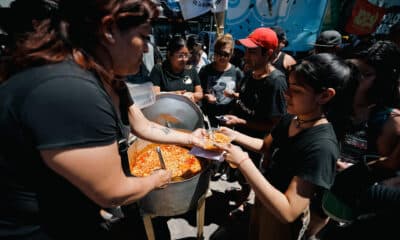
(152, 131)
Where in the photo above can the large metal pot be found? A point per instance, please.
(178, 197)
(175, 111)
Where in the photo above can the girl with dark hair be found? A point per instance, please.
(21, 18)
(66, 114)
(300, 152)
(375, 95)
(384, 94)
(174, 75)
(384, 57)
(365, 196)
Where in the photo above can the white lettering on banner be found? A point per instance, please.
(391, 17)
(202, 4)
(194, 8)
(219, 6)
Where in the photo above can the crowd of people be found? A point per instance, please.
(316, 139)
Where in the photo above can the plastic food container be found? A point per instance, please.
(143, 94)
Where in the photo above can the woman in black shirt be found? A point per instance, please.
(174, 75)
(301, 151)
(65, 116)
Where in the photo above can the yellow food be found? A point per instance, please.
(218, 138)
(177, 159)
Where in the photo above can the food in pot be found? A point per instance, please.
(177, 159)
(216, 138)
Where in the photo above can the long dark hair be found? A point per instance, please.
(325, 70)
(384, 57)
(175, 44)
(73, 30)
(31, 27)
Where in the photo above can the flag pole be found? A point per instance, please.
(220, 21)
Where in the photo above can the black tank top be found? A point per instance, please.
(278, 64)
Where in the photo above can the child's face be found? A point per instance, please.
(300, 99)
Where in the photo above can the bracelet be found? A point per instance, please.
(241, 161)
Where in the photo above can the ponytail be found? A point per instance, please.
(341, 106)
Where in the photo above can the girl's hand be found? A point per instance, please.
(163, 178)
(234, 155)
(232, 134)
(232, 120)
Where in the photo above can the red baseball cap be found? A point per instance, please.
(261, 37)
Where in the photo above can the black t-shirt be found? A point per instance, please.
(163, 77)
(140, 77)
(261, 99)
(50, 107)
(310, 155)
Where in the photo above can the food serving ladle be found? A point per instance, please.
(160, 157)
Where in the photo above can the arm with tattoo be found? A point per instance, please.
(152, 131)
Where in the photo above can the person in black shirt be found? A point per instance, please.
(299, 154)
(141, 75)
(259, 101)
(366, 195)
(65, 118)
(174, 75)
(283, 61)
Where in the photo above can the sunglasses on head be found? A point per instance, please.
(223, 54)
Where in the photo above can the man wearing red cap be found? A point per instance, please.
(261, 101)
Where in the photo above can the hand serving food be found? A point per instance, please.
(196, 138)
(216, 138)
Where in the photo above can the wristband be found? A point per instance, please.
(241, 161)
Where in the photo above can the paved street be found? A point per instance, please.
(218, 224)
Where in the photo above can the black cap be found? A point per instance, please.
(281, 34)
(329, 38)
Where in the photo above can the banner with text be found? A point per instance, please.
(364, 19)
(194, 8)
(391, 17)
(301, 20)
